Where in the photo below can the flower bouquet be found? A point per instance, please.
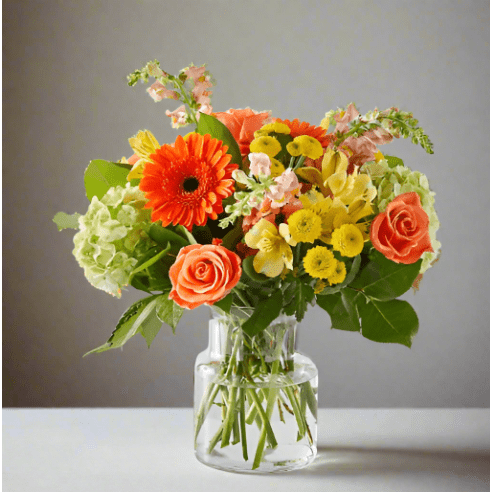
(259, 218)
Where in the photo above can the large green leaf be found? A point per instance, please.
(212, 126)
(264, 314)
(168, 311)
(342, 309)
(101, 175)
(130, 323)
(164, 235)
(66, 221)
(389, 322)
(384, 279)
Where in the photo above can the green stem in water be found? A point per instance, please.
(244, 443)
(230, 417)
(272, 397)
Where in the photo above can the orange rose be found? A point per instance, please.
(242, 123)
(203, 274)
(401, 232)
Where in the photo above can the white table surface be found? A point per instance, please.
(395, 450)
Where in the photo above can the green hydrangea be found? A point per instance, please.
(113, 237)
(393, 181)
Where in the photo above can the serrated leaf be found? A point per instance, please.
(303, 296)
(266, 312)
(384, 279)
(102, 175)
(128, 324)
(341, 307)
(150, 327)
(393, 161)
(168, 311)
(66, 221)
(389, 322)
(212, 126)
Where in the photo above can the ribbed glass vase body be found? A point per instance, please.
(255, 398)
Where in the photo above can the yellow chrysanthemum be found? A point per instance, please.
(268, 145)
(294, 148)
(274, 253)
(339, 275)
(348, 239)
(311, 147)
(277, 168)
(320, 262)
(275, 127)
(304, 226)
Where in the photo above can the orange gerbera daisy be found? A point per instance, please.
(186, 183)
(298, 128)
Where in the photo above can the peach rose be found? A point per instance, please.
(203, 274)
(401, 232)
(242, 123)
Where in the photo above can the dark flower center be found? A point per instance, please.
(190, 184)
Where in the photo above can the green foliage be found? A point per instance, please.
(342, 309)
(393, 161)
(225, 304)
(394, 321)
(264, 314)
(66, 221)
(212, 126)
(164, 236)
(384, 279)
(102, 175)
(146, 317)
(168, 311)
(140, 316)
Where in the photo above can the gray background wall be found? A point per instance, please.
(66, 102)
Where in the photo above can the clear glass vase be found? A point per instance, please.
(255, 401)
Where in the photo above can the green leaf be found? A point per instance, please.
(389, 322)
(102, 175)
(266, 312)
(150, 326)
(168, 311)
(225, 304)
(129, 324)
(212, 126)
(163, 235)
(342, 309)
(66, 221)
(303, 296)
(384, 279)
(393, 161)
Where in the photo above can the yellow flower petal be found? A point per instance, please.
(144, 144)
(137, 170)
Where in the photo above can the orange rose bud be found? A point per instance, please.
(401, 232)
(203, 274)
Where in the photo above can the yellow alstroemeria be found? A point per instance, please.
(143, 144)
(333, 179)
(274, 252)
